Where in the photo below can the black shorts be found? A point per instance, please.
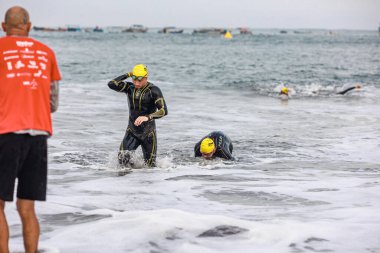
(24, 157)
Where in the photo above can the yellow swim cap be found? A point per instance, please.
(140, 70)
(285, 90)
(207, 146)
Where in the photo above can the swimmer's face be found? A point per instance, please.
(208, 156)
(140, 83)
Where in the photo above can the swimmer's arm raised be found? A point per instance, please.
(117, 84)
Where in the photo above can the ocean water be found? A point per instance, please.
(307, 172)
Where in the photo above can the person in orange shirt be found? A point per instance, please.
(29, 78)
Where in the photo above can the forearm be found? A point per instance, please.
(117, 83)
(161, 112)
(197, 150)
(54, 96)
(345, 91)
(226, 148)
(226, 153)
(157, 114)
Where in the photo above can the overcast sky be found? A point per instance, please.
(328, 14)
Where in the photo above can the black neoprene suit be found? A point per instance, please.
(346, 90)
(147, 101)
(223, 145)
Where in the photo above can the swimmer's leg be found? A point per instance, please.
(149, 148)
(129, 144)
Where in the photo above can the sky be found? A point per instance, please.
(292, 14)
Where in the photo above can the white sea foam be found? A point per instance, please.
(169, 230)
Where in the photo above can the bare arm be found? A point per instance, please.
(54, 94)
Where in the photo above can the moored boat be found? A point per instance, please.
(170, 29)
(210, 31)
(98, 29)
(136, 29)
(45, 29)
(244, 30)
(73, 29)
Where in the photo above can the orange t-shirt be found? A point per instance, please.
(27, 67)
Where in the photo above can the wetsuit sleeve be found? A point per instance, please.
(224, 146)
(160, 103)
(345, 91)
(197, 149)
(117, 84)
(225, 152)
(229, 152)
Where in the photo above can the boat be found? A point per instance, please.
(170, 29)
(210, 31)
(73, 29)
(244, 30)
(136, 29)
(98, 29)
(45, 29)
(301, 32)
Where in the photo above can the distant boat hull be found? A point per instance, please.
(136, 29)
(73, 29)
(210, 31)
(170, 30)
(129, 30)
(244, 31)
(46, 29)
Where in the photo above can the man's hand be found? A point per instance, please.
(140, 120)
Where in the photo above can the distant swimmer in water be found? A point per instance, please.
(284, 93)
(355, 87)
(146, 104)
(215, 144)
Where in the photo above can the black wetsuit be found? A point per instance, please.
(147, 101)
(223, 145)
(346, 90)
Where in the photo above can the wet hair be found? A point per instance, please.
(16, 16)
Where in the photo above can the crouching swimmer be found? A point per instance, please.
(215, 144)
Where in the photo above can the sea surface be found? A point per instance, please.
(306, 177)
